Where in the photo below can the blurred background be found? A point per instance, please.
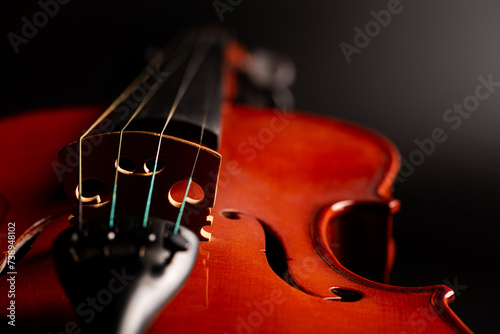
(398, 75)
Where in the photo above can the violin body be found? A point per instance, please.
(302, 200)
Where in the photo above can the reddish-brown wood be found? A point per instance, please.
(294, 173)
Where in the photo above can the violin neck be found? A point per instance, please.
(186, 76)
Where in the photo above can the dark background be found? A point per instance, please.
(426, 59)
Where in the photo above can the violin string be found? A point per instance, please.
(206, 106)
(170, 67)
(144, 75)
(192, 68)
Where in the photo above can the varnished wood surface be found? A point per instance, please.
(283, 170)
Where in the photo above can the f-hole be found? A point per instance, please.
(275, 254)
(276, 257)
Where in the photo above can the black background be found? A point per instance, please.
(426, 59)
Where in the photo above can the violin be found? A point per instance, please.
(199, 202)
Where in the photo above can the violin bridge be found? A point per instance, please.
(175, 163)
